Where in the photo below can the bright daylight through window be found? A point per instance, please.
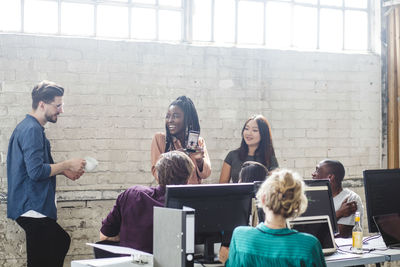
(329, 25)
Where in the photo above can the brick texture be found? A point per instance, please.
(117, 93)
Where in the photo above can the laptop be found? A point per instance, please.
(318, 226)
(389, 228)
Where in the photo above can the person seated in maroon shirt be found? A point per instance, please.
(130, 222)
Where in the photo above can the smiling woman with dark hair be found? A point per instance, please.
(256, 145)
(182, 118)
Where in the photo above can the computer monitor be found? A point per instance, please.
(320, 201)
(219, 209)
(381, 194)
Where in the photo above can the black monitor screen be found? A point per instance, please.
(389, 228)
(381, 194)
(219, 208)
(320, 201)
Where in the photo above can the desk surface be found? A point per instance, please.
(380, 248)
(109, 262)
(366, 258)
(127, 262)
(379, 254)
(394, 254)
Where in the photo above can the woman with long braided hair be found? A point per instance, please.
(181, 119)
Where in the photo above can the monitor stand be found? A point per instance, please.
(208, 254)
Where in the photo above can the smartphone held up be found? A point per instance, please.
(192, 141)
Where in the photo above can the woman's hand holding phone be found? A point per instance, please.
(198, 155)
(193, 149)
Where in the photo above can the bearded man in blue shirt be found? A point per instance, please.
(31, 178)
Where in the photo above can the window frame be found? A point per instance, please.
(186, 11)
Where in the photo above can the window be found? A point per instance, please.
(304, 27)
(10, 15)
(170, 25)
(143, 24)
(202, 18)
(250, 22)
(41, 16)
(77, 19)
(331, 25)
(278, 13)
(112, 21)
(331, 29)
(224, 21)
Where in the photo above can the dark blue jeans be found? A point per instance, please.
(46, 242)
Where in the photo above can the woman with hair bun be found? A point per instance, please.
(182, 118)
(270, 243)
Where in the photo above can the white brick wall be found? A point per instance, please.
(117, 92)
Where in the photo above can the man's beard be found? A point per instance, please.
(51, 118)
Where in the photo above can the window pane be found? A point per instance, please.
(10, 15)
(305, 27)
(356, 30)
(170, 25)
(224, 21)
(143, 23)
(151, 2)
(307, 1)
(356, 3)
(331, 29)
(331, 2)
(175, 3)
(202, 20)
(250, 22)
(278, 14)
(77, 19)
(112, 21)
(41, 16)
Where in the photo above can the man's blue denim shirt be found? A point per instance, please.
(30, 186)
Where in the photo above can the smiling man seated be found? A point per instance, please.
(346, 201)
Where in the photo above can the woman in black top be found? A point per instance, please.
(256, 146)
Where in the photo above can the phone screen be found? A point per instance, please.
(193, 141)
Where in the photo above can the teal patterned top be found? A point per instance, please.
(262, 246)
